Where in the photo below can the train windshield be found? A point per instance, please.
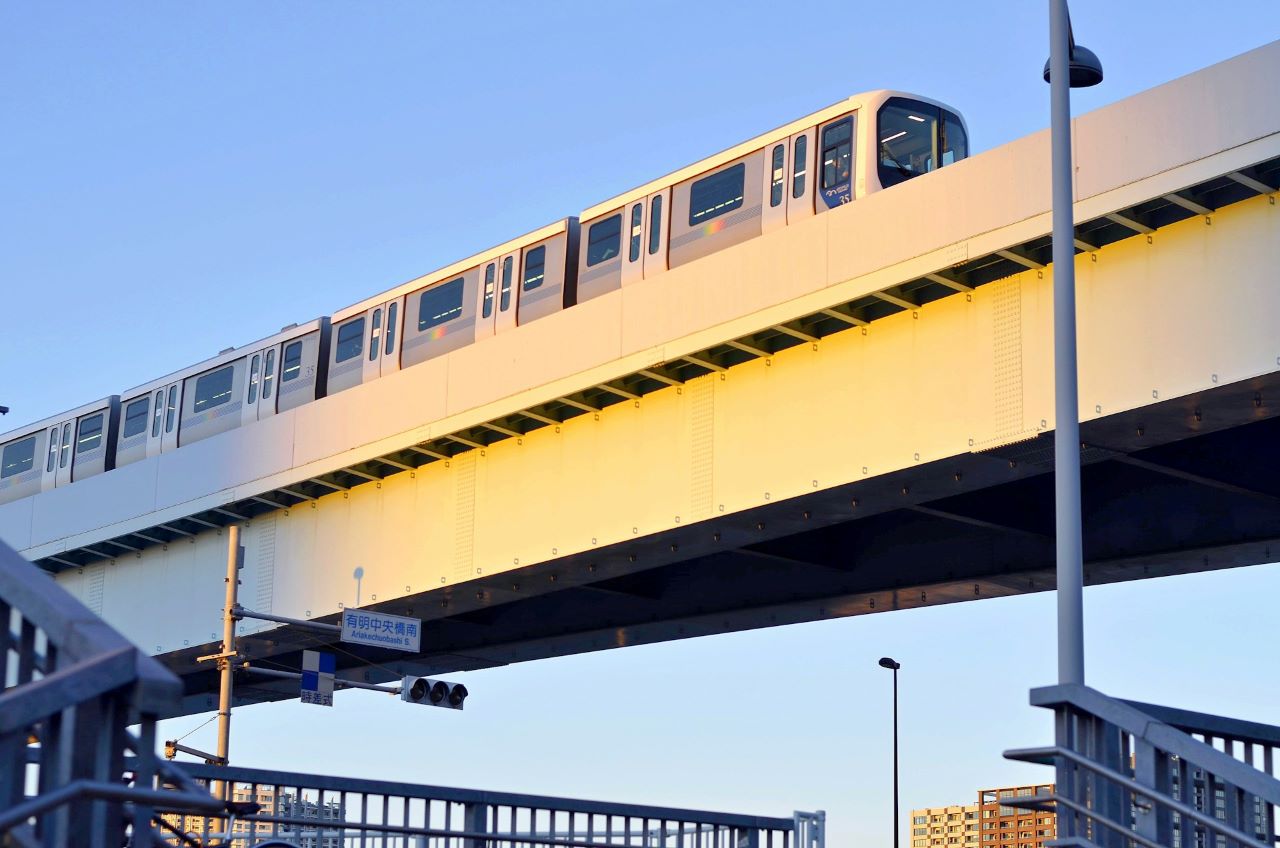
(916, 138)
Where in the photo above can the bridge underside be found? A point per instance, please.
(1180, 486)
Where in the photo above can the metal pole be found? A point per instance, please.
(896, 823)
(226, 666)
(1066, 442)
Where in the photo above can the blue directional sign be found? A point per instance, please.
(380, 630)
(317, 678)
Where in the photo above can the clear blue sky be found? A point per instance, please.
(176, 178)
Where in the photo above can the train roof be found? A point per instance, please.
(69, 415)
(452, 270)
(229, 355)
(849, 104)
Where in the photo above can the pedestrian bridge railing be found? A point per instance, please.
(78, 767)
(343, 811)
(1132, 774)
(72, 688)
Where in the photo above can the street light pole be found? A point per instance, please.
(894, 665)
(1069, 67)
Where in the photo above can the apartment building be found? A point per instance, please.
(989, 823)
(1004, 826)
(945, 827)
(287, 805)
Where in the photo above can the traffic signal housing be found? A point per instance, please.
(433, 693)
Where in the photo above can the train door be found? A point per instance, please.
(633, 223)
(392, 318)
(505, 315)
(270, 382)
(776, 157)
(53, 455)
(261, 385)
(252, 388)
(164, 424)
(66, 458)
(487, 310)
(800, 189)
(655, 235)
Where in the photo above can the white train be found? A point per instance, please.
(864, 144)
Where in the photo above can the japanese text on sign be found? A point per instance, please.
(317, 678)
(381, 630)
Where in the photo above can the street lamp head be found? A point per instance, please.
(890, 662)
(1083, 68)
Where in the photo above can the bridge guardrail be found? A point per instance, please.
(72, 686)
(1131, 774)
(352, 811)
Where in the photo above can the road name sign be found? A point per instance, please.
(317, 678)
(379, 630)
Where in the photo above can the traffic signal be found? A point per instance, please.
(433, 693)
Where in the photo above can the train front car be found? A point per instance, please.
(804, 168)
(909, 136)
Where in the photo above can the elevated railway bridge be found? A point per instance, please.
(845, 416)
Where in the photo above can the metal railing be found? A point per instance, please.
(1132, 774)
(72, 687)
(73, 774)
(342, 812)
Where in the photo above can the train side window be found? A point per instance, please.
(253, 378)
(391, 327)
(159, 416)
(213, 389)
(800, 160)
(504, 295)
(535, 264)
(171, 408)
(487, 310)
(777, 175)
(18, 457)
(535, 268)
(440, 304)
(716, 195)
(953, 143)
(375, 335)
(268, 373)
(637, 221)
(655, 224)
(291, 365)
(66, 446)
(603, 240)
(350, 340)
(53, 449)
(90, 434)
(135, 417)
(837, 153)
